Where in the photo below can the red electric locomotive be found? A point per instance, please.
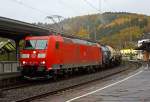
(44, 56)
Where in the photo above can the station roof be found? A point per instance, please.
(16, 30)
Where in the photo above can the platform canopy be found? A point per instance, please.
(16, 30)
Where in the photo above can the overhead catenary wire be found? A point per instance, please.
(48, 15)
(61, 2)
(30, 7)
(99, 12)
(108, 5)
(91, 5)
(33, 8)
(100, 5)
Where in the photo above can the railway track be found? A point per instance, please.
(59, 85)
(18, 86)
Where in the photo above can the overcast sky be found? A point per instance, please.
(37, 10)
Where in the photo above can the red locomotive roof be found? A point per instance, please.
(65, 39)
(36, 37)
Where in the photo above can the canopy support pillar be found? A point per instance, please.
(17, 50)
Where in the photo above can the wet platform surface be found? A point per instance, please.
(134, 89)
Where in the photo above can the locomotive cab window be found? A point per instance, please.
(35, 44)
(29, 44)
(41, 44)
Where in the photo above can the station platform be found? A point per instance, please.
(9, 69)
(134, 88)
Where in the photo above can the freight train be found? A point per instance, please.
(48, 56)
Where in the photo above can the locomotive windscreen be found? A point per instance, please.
(35, 44)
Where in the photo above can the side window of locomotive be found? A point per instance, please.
(57, 45)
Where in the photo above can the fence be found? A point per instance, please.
(9, 66)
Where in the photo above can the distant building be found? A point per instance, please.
(142, 54)
(129, 54)
(142, 41)
(128, 51)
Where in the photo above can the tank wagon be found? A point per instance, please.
(105, 56)
(114, 56)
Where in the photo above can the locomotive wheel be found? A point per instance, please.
(55, 77)
(65, 73)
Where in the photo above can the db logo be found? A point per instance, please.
(33, 55)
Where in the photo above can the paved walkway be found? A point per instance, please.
(135, 88)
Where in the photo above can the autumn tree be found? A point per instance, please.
(83, 33)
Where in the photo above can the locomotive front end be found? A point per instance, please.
(33, 59)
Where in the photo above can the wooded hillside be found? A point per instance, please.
(120, 30)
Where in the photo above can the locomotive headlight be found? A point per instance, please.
(24, 56)
(34, 52)
(41, 55)
(23, 62)
(43, 62)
